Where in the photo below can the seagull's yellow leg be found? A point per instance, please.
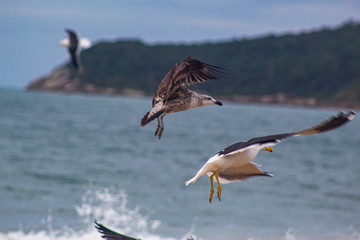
(219, 186)
(269, 149)
(212, 187)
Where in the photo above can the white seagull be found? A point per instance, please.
(172, 96)
(234, 163)
(73, 44)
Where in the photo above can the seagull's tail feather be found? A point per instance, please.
(144, 119)
(329, 124)
(149, 117)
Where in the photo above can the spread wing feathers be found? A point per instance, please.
(254, 142)
(85, 43)
(110, 234)
(74, 59)
(179, 93)
(164, 86)
(73, 39)
(193, 71)
(190, 71)
(241, 173)
(155, 112)
(327, 125)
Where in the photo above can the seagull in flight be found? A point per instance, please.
(234, 163)
(73, 44)
(109, 234)
(172, 96)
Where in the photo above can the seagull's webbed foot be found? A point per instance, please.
(219, 186)
(212, 187)
(160, 129)
(161, 132)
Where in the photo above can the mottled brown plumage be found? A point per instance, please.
(172, 95)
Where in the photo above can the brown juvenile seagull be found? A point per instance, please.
(234, 163)
(172, 96)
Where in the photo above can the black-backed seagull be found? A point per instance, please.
(172, 96)
(73, 44)
(109, 234)
(234, 163)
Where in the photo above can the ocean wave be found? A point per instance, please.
(108, 207)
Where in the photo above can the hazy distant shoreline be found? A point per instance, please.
(279, 99)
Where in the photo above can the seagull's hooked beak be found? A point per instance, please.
(218, 103)
(269, 149)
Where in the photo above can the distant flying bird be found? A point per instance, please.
(172, 96)
(234, 163)
(112, 235)
(73, 44)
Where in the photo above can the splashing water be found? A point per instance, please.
(110, 208)
(107, 207)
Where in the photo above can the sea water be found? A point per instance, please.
(67, 159)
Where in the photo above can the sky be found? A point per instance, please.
(30, 29)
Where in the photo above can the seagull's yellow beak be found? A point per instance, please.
(269, 149)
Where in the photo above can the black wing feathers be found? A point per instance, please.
(259, 140)
(74, 41)
(74, 60)
(240, 177)
(73, 47)
(110, 234)
(193, 71)
(329, 124)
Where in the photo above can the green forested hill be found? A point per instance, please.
(322, 64)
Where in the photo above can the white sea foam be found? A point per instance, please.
(109, 208)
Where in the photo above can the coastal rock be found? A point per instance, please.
(59, 81)
(64, 80)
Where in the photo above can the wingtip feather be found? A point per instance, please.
(333, 122)
(350, 115)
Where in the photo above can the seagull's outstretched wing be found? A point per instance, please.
(85, 43)
(190, 71)
(74, 59)
(73, 47)
(110, 234)
(241, 173)
(163, 88)
(327, 125)
(73, 38)
(193, 71)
